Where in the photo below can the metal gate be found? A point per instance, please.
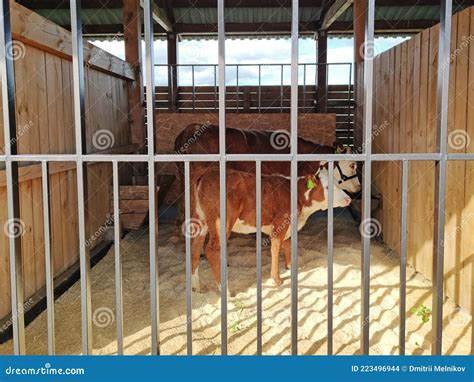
(11, 159)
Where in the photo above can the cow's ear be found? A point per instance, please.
(347, 150)
(338, 147)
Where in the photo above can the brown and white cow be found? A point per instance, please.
(204, 139)
(276, 213)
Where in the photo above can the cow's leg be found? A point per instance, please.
(213, 253)
(275, 268)
(197, 244)
(287, 251)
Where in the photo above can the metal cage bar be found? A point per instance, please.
(258, 223)
(222, 172)
(367, 174)
(330, 255)
(118, 258)
(81, 171)
(48, 261)
(189, 306)
(294, 176)
(150, 95)
(440, 173)
(403, 257)
(13, 200)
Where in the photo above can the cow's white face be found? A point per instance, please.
(340, 198)
(345, 172)
(347, 169)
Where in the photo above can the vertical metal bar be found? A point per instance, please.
(80, 138)
(367, 175)
(47, 257)
(281, 88)
(189, 307)
(294, 176)
(237, 88)
(304, 87)
(349, 105)
(259, 87)
(403, 257)
(118, 259)
(194, 89)
(440, 174)
(215, 87)
(330, 254)
(13, 200)
(258, 219)
(222, 172)
(150, 80)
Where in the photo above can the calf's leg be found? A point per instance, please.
(197, 244)
(287, 251)
(275, 269)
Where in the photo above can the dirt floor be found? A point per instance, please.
(312, 306)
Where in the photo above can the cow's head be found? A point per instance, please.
(340, 198)
(345, 171)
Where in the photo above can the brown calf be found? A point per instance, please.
(204, 139)
(276, 212)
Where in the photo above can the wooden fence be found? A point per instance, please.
(44, 109)
(405, 120)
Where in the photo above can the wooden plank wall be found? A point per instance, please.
(273, 99)
(43, 82)
(405, 113)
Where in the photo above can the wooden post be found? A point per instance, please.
(172, 72)
(359, 38)
(132, 37)
(322, 90)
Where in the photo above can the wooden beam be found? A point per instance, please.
(159, 16)
(132, 37)
(334, 12)
(33, 29)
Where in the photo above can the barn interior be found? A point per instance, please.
(257, 96)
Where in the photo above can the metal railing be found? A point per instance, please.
(256, 97)
(12, 159)
(173, 70)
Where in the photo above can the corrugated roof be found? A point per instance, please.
(101, 16)
(403, 12)
(244, 15)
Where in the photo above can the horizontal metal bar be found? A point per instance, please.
(406, 156)
(460, 156)
(263, 64)
(233, 157)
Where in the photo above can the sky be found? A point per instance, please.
(251, 51)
